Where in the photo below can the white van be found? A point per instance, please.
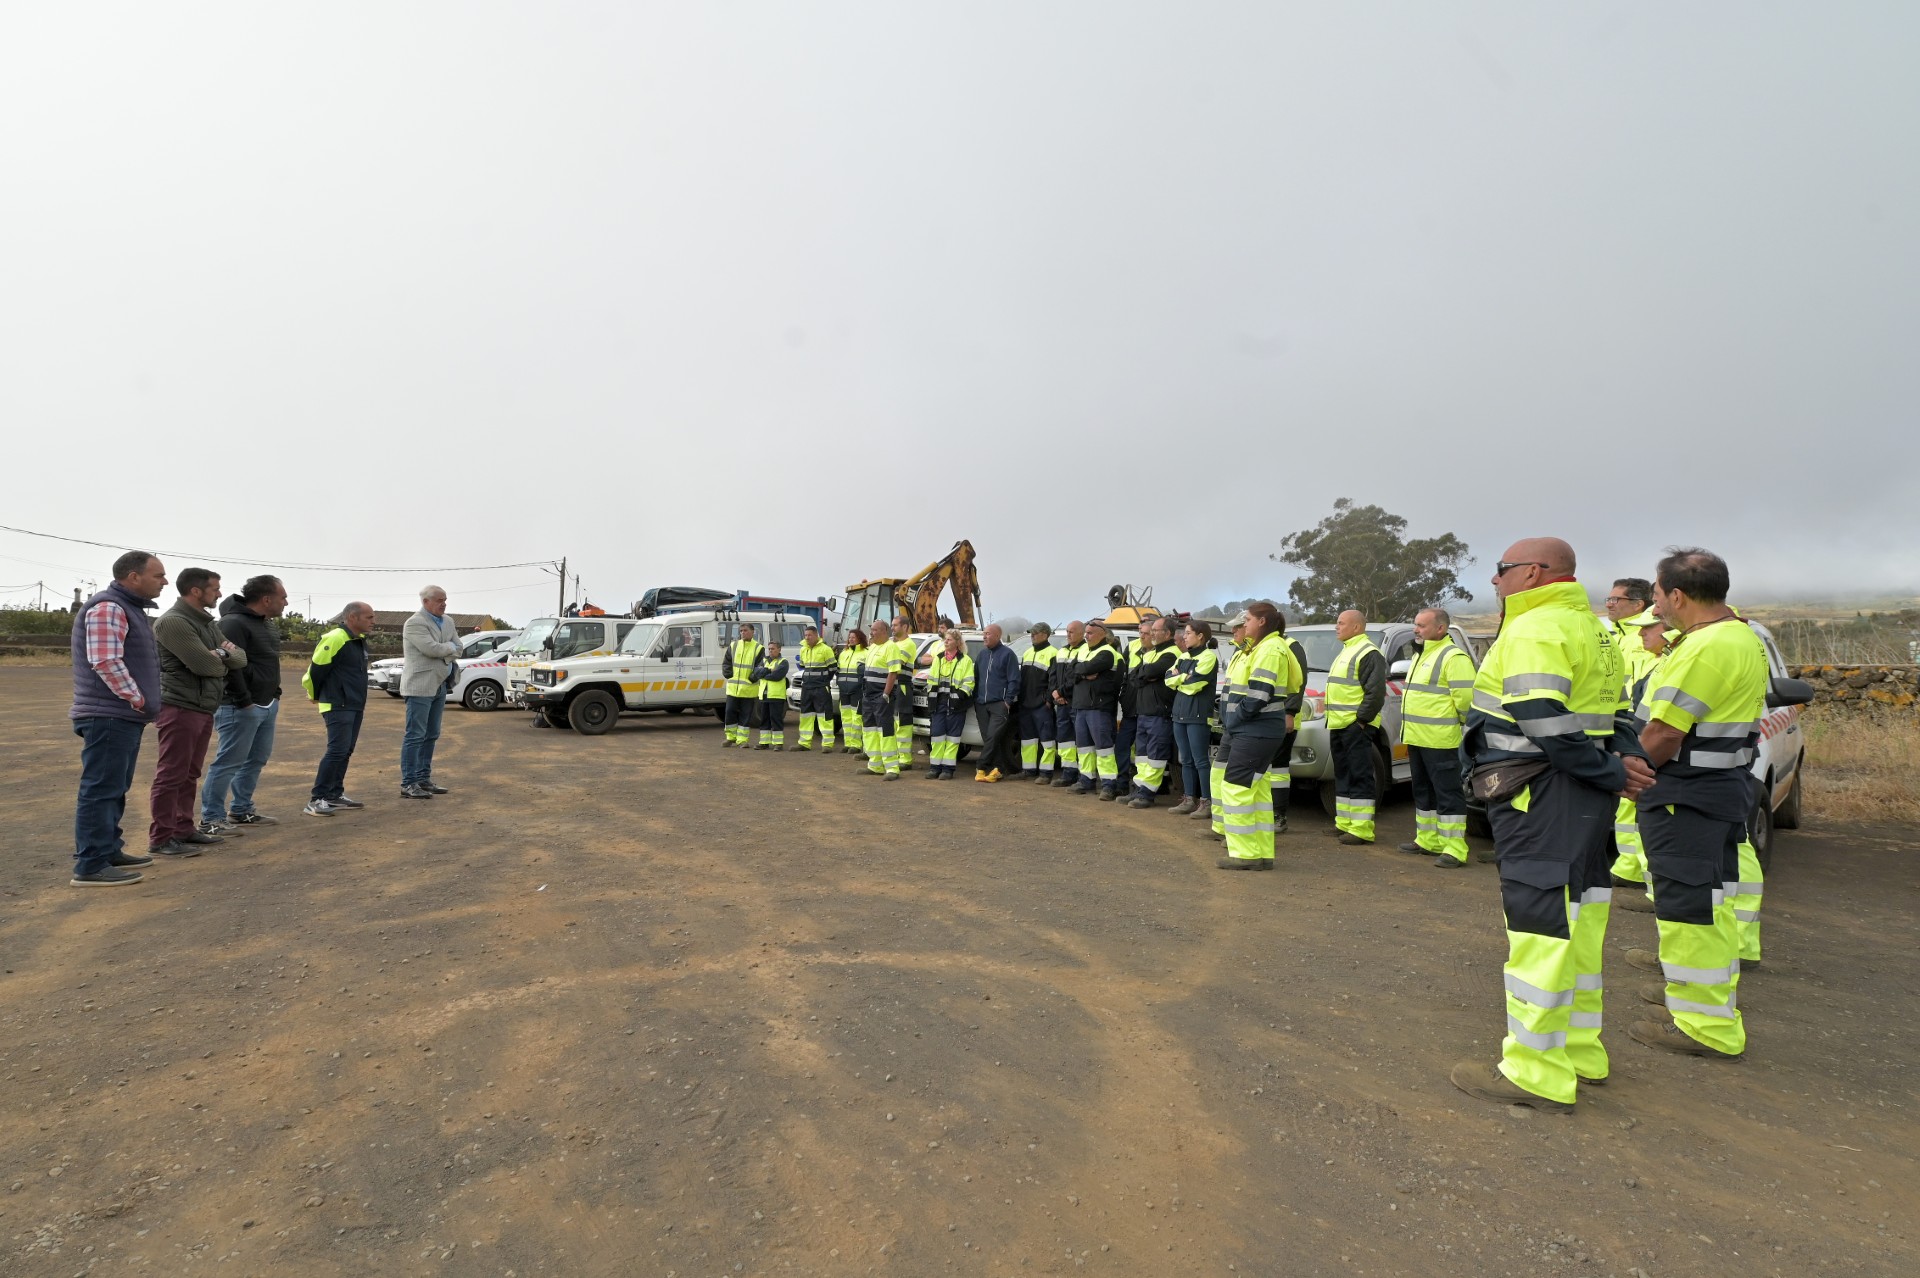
(669, 663)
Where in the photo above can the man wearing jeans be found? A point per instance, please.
(430, 643)
(195, 660)
(336, 682)
(250, 711)
(116, 694)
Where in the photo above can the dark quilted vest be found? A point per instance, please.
(92, 699)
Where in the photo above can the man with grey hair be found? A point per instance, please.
(430, 643)
(336, 682)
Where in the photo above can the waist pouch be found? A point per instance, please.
(1501, 781)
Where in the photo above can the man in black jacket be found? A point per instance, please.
(1152, 709)
(336, 682)
(1096, 696)
(250, 709)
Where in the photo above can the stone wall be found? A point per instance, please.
(1897, 687)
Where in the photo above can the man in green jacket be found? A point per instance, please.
(194, 660)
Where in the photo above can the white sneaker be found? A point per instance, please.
(319, 807)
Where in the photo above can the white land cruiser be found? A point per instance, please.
(669, 663)
(557, 639)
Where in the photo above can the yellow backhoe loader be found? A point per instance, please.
(917, 598)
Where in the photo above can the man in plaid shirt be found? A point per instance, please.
(116, 694)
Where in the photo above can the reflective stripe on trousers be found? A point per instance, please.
(1554, 1001)
(1631, 863)
(1353, 815)
(1246, 817)
(1745, 896)
(826, 729)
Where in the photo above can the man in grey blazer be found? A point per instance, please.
(430, 642)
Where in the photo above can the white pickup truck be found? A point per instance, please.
(669, 663)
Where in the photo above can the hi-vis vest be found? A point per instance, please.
(949, 678)
(851, 660)
(1634, 652)
(745, 654)
(1344, 693)
(1265, 681)
(1551, 648)
(909, 651)
(817, 662)
(1036, 672)
(774, 689)
(1238, 668)
(881, 660)
(1714, 688)
(1438, 694)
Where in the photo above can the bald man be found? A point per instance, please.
(1356, 693)
(336, 682)
(1553, 744)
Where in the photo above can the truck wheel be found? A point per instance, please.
(676, 709)
(1760, 828)
(1328, 800)
(1787, 815)
(593, 712)
(482, 694)
(553, 717)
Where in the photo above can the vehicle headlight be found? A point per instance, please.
(1313, 708)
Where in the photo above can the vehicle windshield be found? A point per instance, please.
(639, 641)
(534, 635)
(1322, 646)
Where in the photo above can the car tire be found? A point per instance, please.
(482, 694)
(553, 717)
(391, 693)
(676, 709)
(1787, 815)
(593, 712)
(1329, 803)
(1760, 828)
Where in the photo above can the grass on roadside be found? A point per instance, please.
(51, 657)
(1863, 765)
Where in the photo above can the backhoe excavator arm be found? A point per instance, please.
(919, 595)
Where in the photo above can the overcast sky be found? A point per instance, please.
(779, 296)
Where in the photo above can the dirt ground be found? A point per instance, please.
(638, 1005)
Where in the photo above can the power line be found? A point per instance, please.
(240, 559)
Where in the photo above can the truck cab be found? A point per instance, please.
(670, 662)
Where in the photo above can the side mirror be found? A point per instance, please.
(1399, 670)
(664, 655)
(1788, 692)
